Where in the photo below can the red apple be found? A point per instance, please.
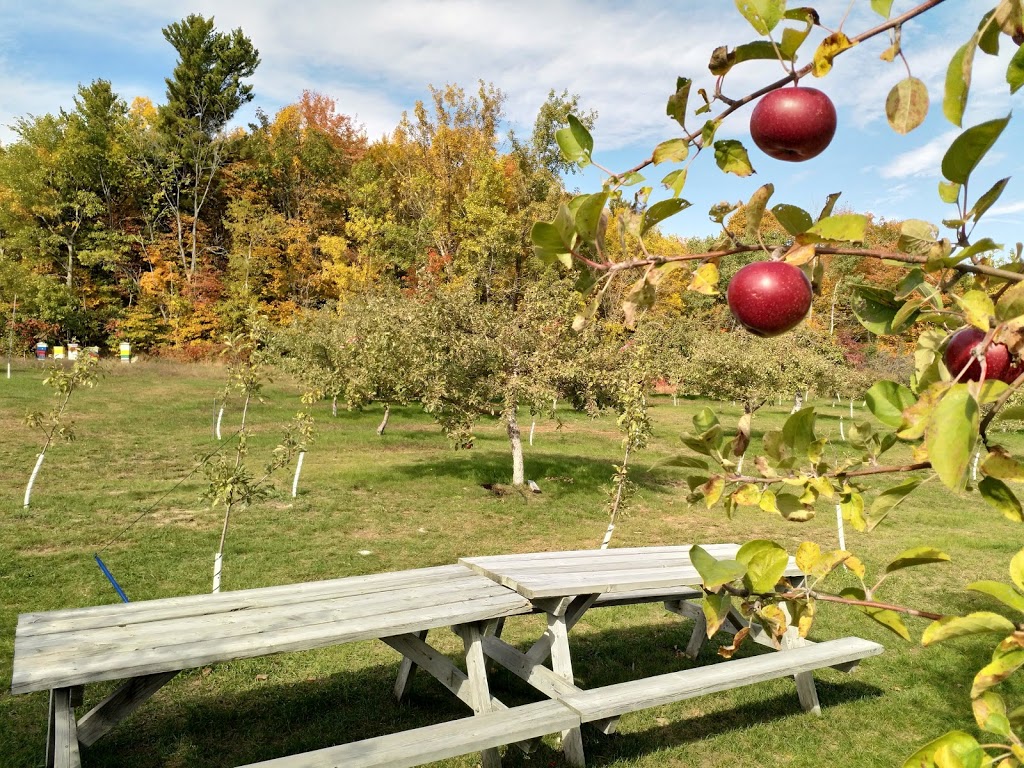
(958, 356)
(1015, 370)
(793, 124)
(769, 297)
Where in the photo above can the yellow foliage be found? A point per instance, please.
(144, 110)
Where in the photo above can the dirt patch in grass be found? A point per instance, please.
(183, 518)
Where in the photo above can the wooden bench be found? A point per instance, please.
(609, 701)
(438, 742)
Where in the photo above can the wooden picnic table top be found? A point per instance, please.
(64, 648)
(538, 575)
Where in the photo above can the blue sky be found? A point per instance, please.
(375, 59)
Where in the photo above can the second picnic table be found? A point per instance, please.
(564, 585)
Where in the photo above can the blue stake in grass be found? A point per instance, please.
(111, 579)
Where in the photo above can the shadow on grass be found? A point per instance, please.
(556, 474)
(184, 728)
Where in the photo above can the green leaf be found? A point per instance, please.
(581, 134)
(763, 15)
(917, 556)
(990, 714)
(798, 431)
(547, 236)
(686, 461)
(917, 237)
(713, 572)
(887, 400)
(887, 500)
(998, 495)
(875, 309)
(882, 7)
(989, 40)
(571, 148)
(661, 211)
(978, 308)
(588, 216)
(1007, 658)
(1017, 570)
(766, 563)
(983, 245)
(951, 434)
(1015, 71)
(731, 157)
(956, 743)
(671, 151)
(707, 132)
(949, 191)
(1000, 464)
(988, 199)
(907, 105)
(792, 39)
(970, 147)
(675, 181)
(676, 107)
(888, 619)
(958, 81)
(843, 227)
(950, 627)
(793, 219)
(1004, 593)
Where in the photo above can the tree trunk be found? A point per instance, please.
(798, 402)
(516, 441)
(334, 406)
(384, 421)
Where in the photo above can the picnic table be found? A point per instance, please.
(565, 585)
(147, 643)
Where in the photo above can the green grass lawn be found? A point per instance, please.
(368, 504)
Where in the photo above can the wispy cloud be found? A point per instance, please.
(921, 161)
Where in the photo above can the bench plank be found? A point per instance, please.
(438, 742)
(618, 699)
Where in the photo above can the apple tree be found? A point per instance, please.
(953, 279)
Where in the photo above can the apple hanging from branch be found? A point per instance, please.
(793, 124)
(769, 297)
(959, 355)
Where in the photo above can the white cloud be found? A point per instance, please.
(1007, 209)
(922, 161)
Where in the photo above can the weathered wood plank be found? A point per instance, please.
(191, 606)
(83, 664)
(270, 617)
(65, 736)
(479, 692)
(561, 665)
(618, 699)
(437, 742)
(118, 705)
(406, 668)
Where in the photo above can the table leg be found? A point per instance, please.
(406, 670)
(561, 665)
(62, 733)
(479, 691)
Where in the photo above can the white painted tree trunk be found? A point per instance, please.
(220, 417)
(842, 434)
(839, 527)
(384, 421)
(298, 471)
(516, 441)
(334, 406)
(218, 563)
(32, 478)
(851, 407)
(798, 402)
(675, 399)
(533, 426)
(974, 465)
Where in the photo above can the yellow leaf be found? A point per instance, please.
(807, 556)
(830, 47)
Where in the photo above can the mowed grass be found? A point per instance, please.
(368, 504)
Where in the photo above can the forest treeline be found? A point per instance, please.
(167, 227)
